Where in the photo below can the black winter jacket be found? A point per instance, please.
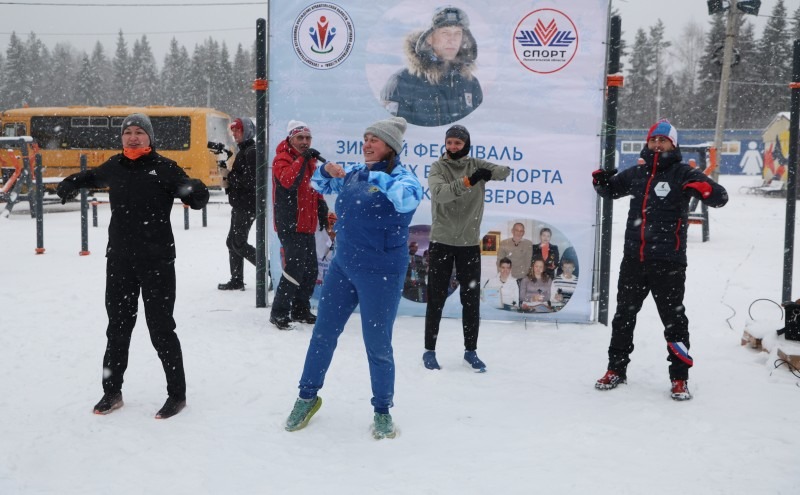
(241, 188)
(659, 207)
(411, 93)
(141, 193)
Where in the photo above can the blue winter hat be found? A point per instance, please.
(664, 128)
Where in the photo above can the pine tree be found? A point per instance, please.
(198, 93)
(37, 59)
(17, 90)
(658, 46)
(638, 92)
(795, 35)
(101, 67)
(123, 80)
(774, 57)
(743, 112)
(2, 82)
(244, 73)
(175, 81)
(226, 82)
(88, 84)
(145, 89)
(703, 114)
(59, 76)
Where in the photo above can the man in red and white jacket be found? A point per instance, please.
(299, 211)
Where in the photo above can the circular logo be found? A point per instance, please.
(323, 35)
(545, 41)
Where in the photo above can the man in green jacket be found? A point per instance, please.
(457, 183)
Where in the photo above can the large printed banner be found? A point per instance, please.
(529, 88)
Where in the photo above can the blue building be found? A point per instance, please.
(742, 149)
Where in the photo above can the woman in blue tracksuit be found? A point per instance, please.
(375, 204)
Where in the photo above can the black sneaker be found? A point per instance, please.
(170, 408)
(282, 323)
(232, 285)
(305, 317)
(109, 403)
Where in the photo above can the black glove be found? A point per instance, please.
(194, 193)
(322, 214)
(482, 174)
(601, 177)
(67, 190)
(311, 153)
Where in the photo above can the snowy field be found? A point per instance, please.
(532, 424)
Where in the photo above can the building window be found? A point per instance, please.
(629, 147)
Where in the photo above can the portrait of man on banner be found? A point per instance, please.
(438, 86)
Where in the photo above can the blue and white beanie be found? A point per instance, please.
(664, 128)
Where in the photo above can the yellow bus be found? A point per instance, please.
(62, 134)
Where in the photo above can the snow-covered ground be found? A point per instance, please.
(532, 424)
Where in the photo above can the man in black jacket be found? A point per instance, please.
(240, 186)
(654, 255)
(141, 255)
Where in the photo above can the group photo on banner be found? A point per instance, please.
(496, 109)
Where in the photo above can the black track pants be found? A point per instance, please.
(467, 262)
(156, 280)
(667, 282)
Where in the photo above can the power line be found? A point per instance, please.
(39, 35)
(60, 4)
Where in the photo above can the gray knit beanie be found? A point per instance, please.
(139, 120)
(390, 131)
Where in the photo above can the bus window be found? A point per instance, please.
(218, 131)
(92, 133)
(50, 132)
(14, 129)
(172, 133)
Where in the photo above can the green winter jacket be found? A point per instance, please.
(457, 210)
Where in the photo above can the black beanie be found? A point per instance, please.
(458, 132)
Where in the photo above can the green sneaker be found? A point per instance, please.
(383, 427)
(302, 412)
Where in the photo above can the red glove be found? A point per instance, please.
(700, 190)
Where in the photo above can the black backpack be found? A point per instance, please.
(792, 329)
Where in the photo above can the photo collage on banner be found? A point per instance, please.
(528, 84)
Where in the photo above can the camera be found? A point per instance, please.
(218, 149)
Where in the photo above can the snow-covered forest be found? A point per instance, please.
(36, 75)
(675, 78)
(680, 78)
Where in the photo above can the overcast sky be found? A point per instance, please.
(82, 26)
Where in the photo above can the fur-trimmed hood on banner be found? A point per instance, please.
(423, 63)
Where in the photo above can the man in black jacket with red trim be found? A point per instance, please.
(141, 186)
(654, 256)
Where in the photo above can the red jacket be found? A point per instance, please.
(294, 201)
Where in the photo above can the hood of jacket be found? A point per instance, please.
(422, 62)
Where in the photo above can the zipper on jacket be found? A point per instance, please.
(678, 234)
(644, 206)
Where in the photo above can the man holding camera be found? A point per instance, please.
(240, 186)
(299, 211)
